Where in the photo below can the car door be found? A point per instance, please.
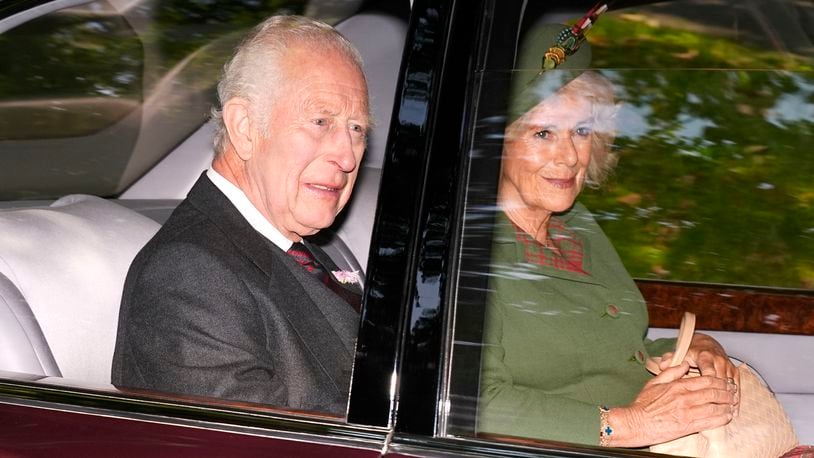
(714, 105)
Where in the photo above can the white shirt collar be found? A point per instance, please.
(248, 210)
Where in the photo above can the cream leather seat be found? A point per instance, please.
(63, 268)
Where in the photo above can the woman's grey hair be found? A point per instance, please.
(254, 71)
(599, 90)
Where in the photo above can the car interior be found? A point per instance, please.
(83, 244)
(788, 373)
(63, 262)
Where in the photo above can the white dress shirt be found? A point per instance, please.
(248, 210)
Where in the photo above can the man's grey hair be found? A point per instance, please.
(254, 72)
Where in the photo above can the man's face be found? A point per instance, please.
(303, 171)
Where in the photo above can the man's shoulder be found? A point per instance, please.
(187, 235)
(185, 224)
(200, 236)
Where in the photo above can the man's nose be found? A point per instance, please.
(342, 150)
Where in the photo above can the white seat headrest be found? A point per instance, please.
(69, 262)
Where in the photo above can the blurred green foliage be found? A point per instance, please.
(82, 77)
(71, 55)
(716, 175)
(92, 50)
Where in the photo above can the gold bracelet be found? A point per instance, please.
(605, 429)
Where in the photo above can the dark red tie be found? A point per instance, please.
(305, 258)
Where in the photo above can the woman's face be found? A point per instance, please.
(546, 154)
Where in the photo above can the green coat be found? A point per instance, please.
(558, 344)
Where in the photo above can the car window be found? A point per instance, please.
(97, 93)
(711, 184)
(710, 122)
(106, 91)
(80, 78)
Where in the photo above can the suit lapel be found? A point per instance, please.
(210, 201)
(331, 267)
(325, 324)
(339, 317)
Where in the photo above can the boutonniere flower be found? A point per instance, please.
(346, 276)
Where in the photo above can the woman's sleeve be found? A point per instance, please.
(659, 347)
(509, 409)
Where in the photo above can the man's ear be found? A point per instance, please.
(238, 122)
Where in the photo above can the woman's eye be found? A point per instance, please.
(583, 131)
(321, 122)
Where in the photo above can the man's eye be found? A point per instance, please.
(357, 129)
(321, 122)
(544, 134)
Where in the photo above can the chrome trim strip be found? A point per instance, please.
(37, 11)
(413, 445)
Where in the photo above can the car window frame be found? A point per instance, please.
(85, 398)
(791, 309)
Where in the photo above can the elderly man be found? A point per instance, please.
(214, 305)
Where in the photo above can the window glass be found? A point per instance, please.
(70, 101)
(713, 183)
(152, 69)
(96, 94)
(711, 122)
(105, 84)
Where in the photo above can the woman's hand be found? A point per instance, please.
(709, 357)
(669, 407)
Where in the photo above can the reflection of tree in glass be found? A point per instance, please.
(719, 187)
(74, 72)
(715, 180)
(71, 55)
(663, 44)
(182, 26)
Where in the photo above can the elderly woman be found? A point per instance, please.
(564, 339)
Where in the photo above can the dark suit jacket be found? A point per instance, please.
(212, 308)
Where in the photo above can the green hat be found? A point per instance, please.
(551, 56)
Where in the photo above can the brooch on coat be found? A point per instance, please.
(346, 276)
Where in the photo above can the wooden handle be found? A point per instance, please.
(685, 333)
